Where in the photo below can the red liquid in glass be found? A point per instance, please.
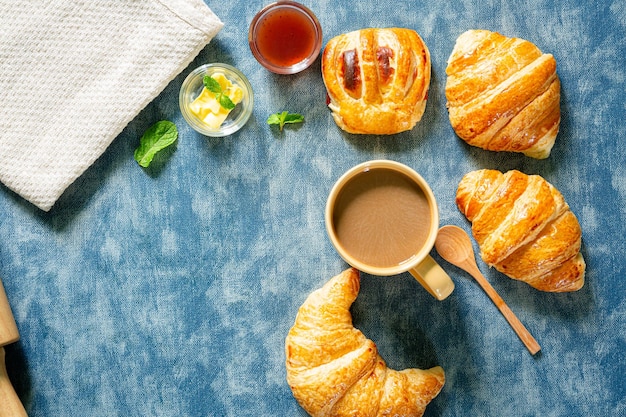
(285, 37)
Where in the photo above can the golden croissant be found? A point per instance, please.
(503, 94)
(524, 228)
(334, 370)
(377, 79)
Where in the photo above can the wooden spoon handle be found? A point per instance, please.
(8, 328)
(11, 406)
(521, 331)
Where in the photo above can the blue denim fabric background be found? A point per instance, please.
(169, 291)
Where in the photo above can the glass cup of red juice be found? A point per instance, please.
(285, 37)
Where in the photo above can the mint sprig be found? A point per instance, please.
(158, 137)
(283, 118)
(213, 86)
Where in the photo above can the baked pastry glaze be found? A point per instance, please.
(503, 94)
(377, 80)
(524, 228)
(334, 370)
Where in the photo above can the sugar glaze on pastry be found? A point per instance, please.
(377, 80)
(334, 370)
(503, 94)
(524, 228)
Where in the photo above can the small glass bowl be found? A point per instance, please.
(192, 87)
(265, 16)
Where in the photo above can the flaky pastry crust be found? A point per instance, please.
(524, 228)
(334, 370)
(503, 94)
(377, 80)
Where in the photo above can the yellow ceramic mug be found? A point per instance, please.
(382, 218)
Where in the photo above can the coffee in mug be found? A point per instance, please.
(382, 217)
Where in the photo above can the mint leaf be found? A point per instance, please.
(212, 85)
(277, 119)
(158, 137)
(226, 102)
(294, 118)
(283, 118)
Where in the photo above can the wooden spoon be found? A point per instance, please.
(455, 246)
(10, 404)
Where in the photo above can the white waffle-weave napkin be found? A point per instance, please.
(74, 73)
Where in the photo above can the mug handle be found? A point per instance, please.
(433, 278)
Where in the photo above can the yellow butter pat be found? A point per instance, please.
(206, 107)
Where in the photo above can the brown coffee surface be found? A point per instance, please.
(382, 217)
